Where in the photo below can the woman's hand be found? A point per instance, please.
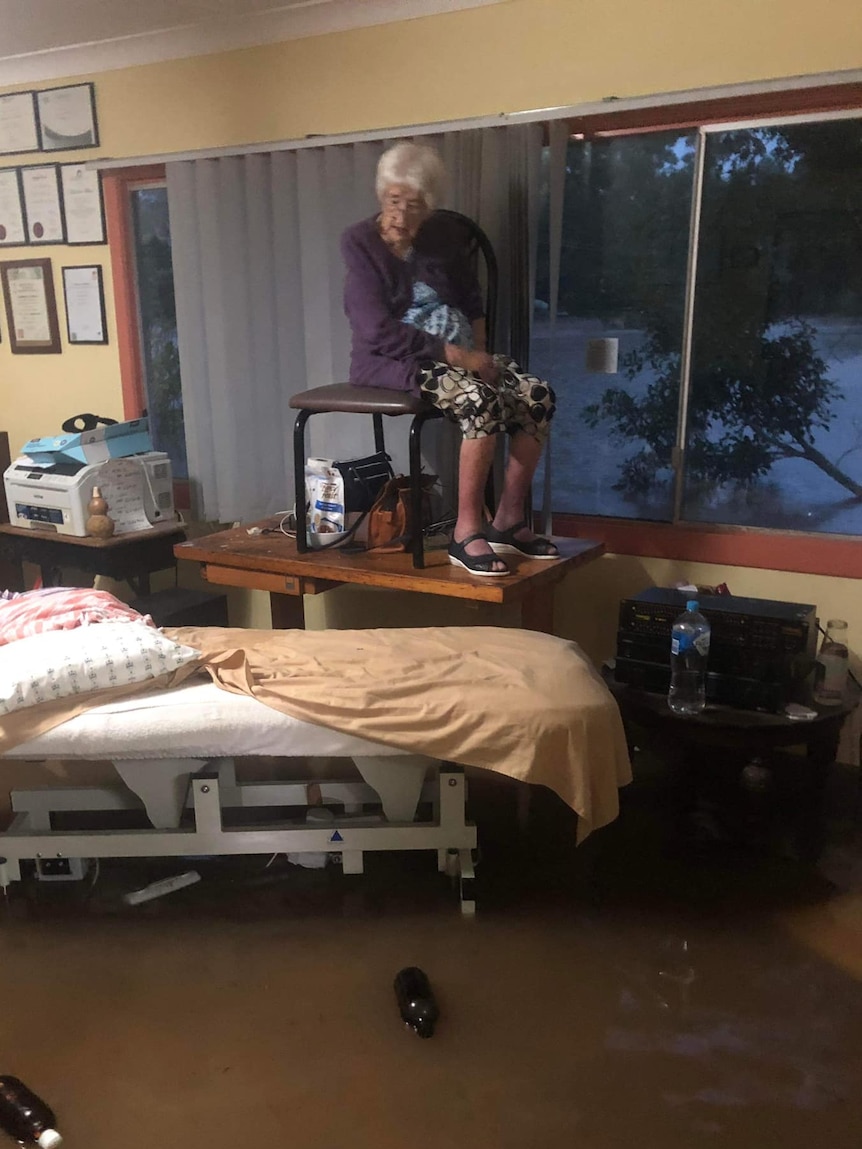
(479, 361)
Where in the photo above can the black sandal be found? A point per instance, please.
(475, 564)
(505, 543)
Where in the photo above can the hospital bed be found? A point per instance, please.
(410, 706)
(196, 806)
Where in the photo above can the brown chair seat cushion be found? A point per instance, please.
(347, 397)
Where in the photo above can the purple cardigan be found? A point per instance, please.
(378, 290)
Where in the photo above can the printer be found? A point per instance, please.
(49, 485)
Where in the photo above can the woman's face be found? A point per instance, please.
(402, 212)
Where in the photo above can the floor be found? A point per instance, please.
(643, 990)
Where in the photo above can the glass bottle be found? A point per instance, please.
(416, 1001)
(26, 1117)
(832, 665)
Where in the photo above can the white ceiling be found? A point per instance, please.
(47, 39)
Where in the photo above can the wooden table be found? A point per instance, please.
(270, 562)
(131, 557)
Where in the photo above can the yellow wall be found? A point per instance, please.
(508, 57)
(514, 56)
(616, 577)
(38, 392)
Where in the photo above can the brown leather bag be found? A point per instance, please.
(390, 520)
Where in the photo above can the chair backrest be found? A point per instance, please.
(484, 263)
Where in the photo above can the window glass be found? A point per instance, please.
(774, 436)
(613, 354)
(158, 324)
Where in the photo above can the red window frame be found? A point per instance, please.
(720, 545)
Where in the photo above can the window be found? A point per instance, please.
(627, 203)
(139, 236)
(154, 281)
(774, 432)
(710, 374)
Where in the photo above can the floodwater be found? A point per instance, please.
(604, 997)
(796, 495)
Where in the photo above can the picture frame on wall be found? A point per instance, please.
(43, 205)
(67, 118)
(31, 306)
(13, 224)
(83, 206)
(84, 298)
(19, 127)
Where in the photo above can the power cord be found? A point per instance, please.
(286, 517)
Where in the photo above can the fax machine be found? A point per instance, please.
(49, 485)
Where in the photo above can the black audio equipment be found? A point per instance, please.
(761, 652)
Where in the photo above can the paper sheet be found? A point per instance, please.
(122, 484)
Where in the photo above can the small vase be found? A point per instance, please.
(99, 524)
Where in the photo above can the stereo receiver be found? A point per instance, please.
(761, 652)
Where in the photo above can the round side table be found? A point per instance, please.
(692, 744)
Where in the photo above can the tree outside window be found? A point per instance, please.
(774, 425)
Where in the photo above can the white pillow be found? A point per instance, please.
(62, 663)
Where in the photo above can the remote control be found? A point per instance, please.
(159, 889)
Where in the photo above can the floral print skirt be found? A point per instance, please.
(517, 402)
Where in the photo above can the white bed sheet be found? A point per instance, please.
(195, 720)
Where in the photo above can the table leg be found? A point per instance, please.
(822, 750)
(537, 610)
(288, 611)
(51, 574)
(140, 584)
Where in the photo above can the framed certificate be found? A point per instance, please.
(18, 127)
(31, 307)
(67, 118)
(85, 304)
(83, 209)
(43, 207)
(13, 228)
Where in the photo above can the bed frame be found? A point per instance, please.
(187, 800)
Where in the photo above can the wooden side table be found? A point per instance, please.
(129, 557)
(691, 746)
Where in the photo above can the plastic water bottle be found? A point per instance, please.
(416, 1000)
(25, 1116)
(689, 650)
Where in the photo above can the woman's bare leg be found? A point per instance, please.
(475, 461)
(524, 454)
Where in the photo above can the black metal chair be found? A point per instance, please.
(346, 398)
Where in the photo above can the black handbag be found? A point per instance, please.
(364, 479)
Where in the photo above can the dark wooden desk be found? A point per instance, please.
(723, 737)
(270, 562)
(131, 557)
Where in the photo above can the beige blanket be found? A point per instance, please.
(522, 703)
(525, 704)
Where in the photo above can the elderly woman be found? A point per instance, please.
(415, 310)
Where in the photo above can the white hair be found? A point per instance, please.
(419, 166)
